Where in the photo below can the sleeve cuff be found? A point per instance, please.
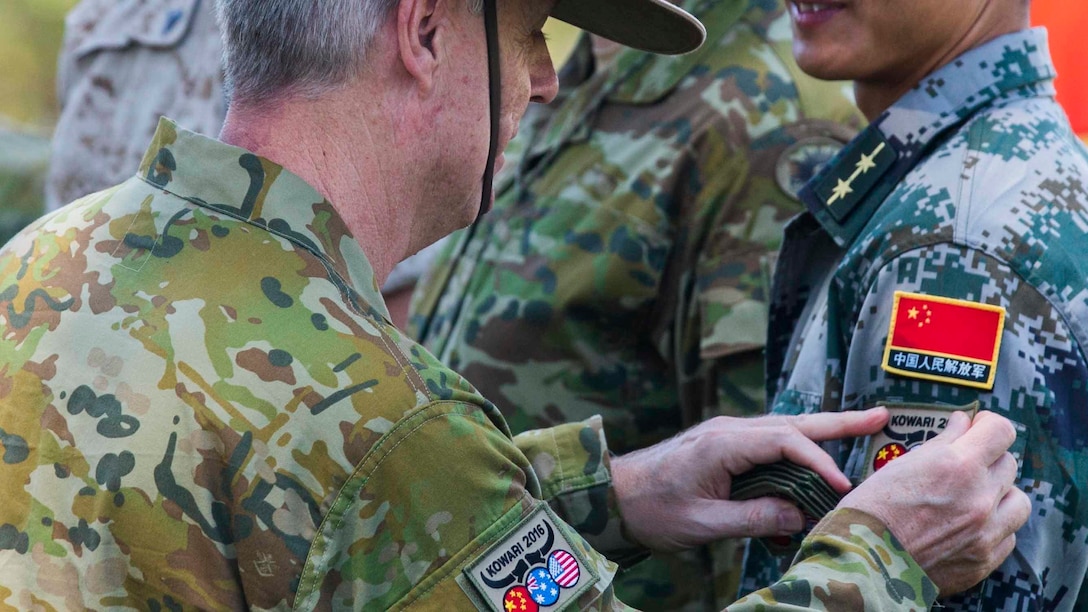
(573, 465)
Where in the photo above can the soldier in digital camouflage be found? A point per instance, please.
(941, 263)
(625, 269)
(203, 404)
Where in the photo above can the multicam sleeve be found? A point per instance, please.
(573, 464)
(850, 561)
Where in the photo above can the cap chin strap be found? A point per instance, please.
(491, 30)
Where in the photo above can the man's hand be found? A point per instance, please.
(952, 502)
(675, 494)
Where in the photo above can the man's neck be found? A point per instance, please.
(874, 97)
(363, 182)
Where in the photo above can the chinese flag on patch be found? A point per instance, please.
(943, 339)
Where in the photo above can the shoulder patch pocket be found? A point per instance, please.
(92, 28)
(532, 566)
(909, 426)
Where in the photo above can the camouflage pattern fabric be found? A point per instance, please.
(625, 268)
(977, 195)
(24, 158)
(204, 406)
(123, 64)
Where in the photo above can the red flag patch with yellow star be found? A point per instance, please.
(944, 340)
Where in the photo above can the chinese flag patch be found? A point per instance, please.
(944, 340)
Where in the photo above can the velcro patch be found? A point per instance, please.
(944, 340)
(908, 427)
(533, 567)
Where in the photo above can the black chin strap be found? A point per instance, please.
(491, 30)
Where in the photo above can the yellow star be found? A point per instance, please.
(866, 162)
(912, 313)
(510, 605)
(842, 189)
(883, 454)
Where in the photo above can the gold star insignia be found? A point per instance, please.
(842, 189)
(866, 162)
(912, 313)
(883, 454)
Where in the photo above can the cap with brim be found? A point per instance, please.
(650, 25)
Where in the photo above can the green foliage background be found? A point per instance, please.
(30, 37)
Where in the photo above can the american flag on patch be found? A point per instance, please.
(564, 568)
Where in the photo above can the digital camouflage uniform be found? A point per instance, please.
(124, 63)
(969, 188)
(625, 268)
(24, 158)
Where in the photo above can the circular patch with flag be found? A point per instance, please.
(542, 588)
(517, 599)
(888, 453)
(564, 568)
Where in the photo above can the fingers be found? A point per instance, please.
(835, 425)
(758, 518)
(830, 426)
(958, 424)
(805, 452)
(988, 437)
(1013, 510)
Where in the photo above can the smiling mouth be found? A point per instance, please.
(805, 8)
(808, 15)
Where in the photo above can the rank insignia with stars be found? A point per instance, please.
(863, 163)
(803, 160)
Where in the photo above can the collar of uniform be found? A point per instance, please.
(846, 193)
(235, 182)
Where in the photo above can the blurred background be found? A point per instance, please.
(31, 33)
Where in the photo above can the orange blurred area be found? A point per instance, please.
(1067, 23)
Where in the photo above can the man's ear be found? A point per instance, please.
(417, 25)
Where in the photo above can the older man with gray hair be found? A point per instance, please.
(204, 405)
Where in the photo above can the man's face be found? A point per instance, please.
(527, 76)
(879, 41)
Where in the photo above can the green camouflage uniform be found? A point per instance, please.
(203, 405)
(24, 159)
(971, 188)
(625, 268)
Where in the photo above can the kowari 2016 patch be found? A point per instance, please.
(944, 340)
(909, 426)
(534, 567)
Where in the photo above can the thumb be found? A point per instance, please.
(760, 517)
(958, 424)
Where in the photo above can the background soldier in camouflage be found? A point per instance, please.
(204, 405)
(625, 268)
(123, 65)
(966, 194)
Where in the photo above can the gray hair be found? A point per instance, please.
(307, 47)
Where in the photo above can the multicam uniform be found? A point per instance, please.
(203, 405)
(624, 270)
(123, 64)
(967, 196)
